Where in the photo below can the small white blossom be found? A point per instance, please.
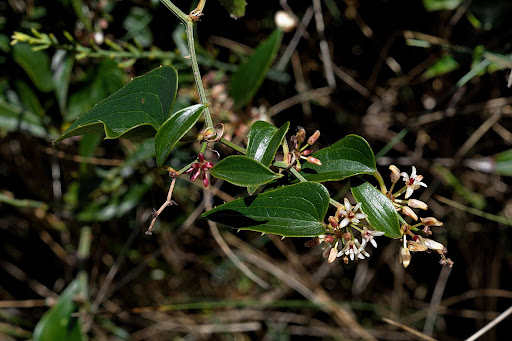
(349, 214)
(412, 182)
(368, 236)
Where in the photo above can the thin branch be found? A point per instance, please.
(167, 203)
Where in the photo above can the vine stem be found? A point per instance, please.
(380, 180)
(189, 29)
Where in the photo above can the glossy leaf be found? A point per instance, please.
(135, 112)
(174, 129)
(291, 211)
(236, 8)
(263, 141)
(350, 156)
(380, 210)
(243, 171)
(59, 323)
(246, 81)
(36, 64)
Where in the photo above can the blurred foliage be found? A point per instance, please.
(430, 88)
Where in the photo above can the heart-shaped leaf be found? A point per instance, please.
(58, 323)
(263, 141)
(379, 209)
(349, 156)
(174, 129)
(247, 79)
(243, 171)
(135, 112)
(291, 211)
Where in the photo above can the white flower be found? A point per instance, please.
(349, 214)
(353, 249)
(368, 236)
(412, 182)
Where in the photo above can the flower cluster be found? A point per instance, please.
(339, 236)
(406, 206)
(201, 166)
(301, 152)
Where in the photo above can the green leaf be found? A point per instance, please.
(379, 209)
(135, 112)
(504, 163)
(14, 118)
(58, 323)
(247, 79)
(350, 156)
(236, 8)
(263, 141)
(243, 171)
(444, 65)
(174, 129)
(439, 5)
(291, 211)
(36, 64)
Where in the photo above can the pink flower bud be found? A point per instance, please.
(200, 156)
(329, 239)
(314, 161)
(206, 181)
(332, 255)
(417, 204)
(405, 257)
(195, 175)
(301, 135)
(333, 221)
(431, 221)
(313, 138)
(208, 165)
(395, 173)
(409, 212)
(306, 152)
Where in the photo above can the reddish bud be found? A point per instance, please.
(301, 135)
(314, 161)
(206, 181)
(431, 221)
(190, 169)
(307, 152)
(195, 175)
(347, 236)
(208, 165)
(200, 156)
(329, 239)
(333, 221)
(409, 212)
(313, 138)
(417, 204)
